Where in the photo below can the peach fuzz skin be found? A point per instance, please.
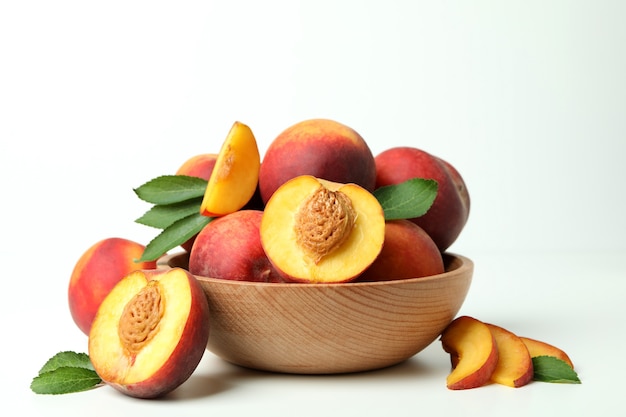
(321, 148)
(448, 215)
(199, 166)
(230, 248)
(95, 274)
(408, 252)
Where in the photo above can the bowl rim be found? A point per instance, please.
(466, 264)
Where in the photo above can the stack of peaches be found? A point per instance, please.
(305, 214)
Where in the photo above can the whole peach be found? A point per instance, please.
(97, 271)
(408, 252)
(229, 247)
(200, 166)
(321, 148)
(448, 214)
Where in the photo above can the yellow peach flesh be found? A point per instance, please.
(344, 262)
(235, 175)
(105, 343)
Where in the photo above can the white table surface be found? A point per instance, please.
(575, 301)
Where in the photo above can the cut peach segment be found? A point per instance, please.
(150, 332)
(473, 353)
(235, 175)
(515, 366)
(315, 230)
(539, 348)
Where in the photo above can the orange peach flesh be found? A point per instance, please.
(515, 366)
(343, 263)
(111, 357)
(473, 351)
(235, 175)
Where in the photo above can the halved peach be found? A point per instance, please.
(539, 348)
(235, 176)
(473, 352)
(315, 230)
(150, 332)
(515, 366)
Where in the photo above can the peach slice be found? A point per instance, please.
(473, 352)
(235, 176)
(150, 332)
(539, 348)
(315, 230)
(515, 366)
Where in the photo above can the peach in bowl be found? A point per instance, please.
(329, 328)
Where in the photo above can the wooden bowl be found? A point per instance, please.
(329, 328)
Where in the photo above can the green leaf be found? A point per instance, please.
(65, 380)
(407, 200)
(553, 369)
(170, 189)
(161, 216)
(174, 235)
(67, 359)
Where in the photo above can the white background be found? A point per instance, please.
(526, 98)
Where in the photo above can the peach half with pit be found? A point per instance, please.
(322, 148)
(319, 231)
(449, 212)
(150, 332)
(408, 252)
(473, 353)
(229, 247)
(97, 271)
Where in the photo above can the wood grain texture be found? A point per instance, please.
(330, 328)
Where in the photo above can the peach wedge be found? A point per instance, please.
(150, 332)
(235, 176)
(473, 353)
